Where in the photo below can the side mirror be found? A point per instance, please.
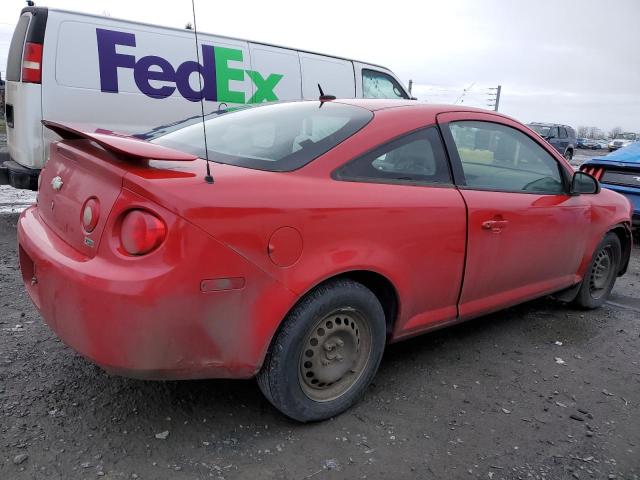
(584, 183)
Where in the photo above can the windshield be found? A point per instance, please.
(540, 130)
(278, 137)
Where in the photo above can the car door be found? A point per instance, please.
(554, 139)
(423, 223)
(526, 234)
(563, 140)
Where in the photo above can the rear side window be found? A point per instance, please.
(380, 85)
(563, 132)
(14, 62)
(415, 158)
(278, 137)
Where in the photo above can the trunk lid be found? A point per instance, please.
(90, 164)
(74, 174)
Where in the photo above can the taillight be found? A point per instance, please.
(141, 232)
(595, 172)
(90, 214)
(32, 63)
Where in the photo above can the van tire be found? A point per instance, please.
(339, 321)
(568, 155)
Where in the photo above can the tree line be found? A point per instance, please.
(595, 132)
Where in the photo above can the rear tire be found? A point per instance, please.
(601, 274)
(568, 155)
(326, 352)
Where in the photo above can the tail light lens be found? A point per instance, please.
(90, 214)
(32, 63)
(141, 232)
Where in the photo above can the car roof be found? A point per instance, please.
(544, 124)
(626, 155)
(375, 104)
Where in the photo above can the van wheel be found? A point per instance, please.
(601, 274)
(568, 155)
(326, 352)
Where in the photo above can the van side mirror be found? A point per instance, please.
(584, 183)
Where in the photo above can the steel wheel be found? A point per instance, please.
(336, 352)
(326, 351)
(601, 273)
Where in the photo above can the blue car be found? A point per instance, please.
(619, 171)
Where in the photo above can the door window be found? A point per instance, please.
(417, 157)
(501, 158)
(380, 85)
(563, 132)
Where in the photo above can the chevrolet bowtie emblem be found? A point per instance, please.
(56, 183)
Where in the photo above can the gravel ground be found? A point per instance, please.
(538, 391)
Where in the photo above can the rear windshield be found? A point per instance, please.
(14, 61)
(278, 137)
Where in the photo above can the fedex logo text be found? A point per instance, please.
(215, 71)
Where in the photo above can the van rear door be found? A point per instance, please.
(23, 98)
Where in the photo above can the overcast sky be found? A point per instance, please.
(565, 61)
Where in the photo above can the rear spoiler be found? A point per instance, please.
(119, 143)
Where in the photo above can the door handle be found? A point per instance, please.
(495, 225)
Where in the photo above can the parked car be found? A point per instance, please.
(600, 143)
(318, 232)
(65, 66)
(619, 171)
(586, 143)
(561, 137)
(622, 140)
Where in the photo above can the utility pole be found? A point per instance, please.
(495, 99)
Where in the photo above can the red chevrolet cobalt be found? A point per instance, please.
(328, 230)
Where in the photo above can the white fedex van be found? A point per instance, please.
(131, 77)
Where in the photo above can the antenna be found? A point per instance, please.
(323, 97)
(208, 178)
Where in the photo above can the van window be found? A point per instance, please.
(380, 85)
(14, 62)
(278, 137)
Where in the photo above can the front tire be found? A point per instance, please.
(568, 155)
(326, 352)
(601, 274)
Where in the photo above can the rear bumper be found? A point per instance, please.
(152, 322)
(14, 174)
